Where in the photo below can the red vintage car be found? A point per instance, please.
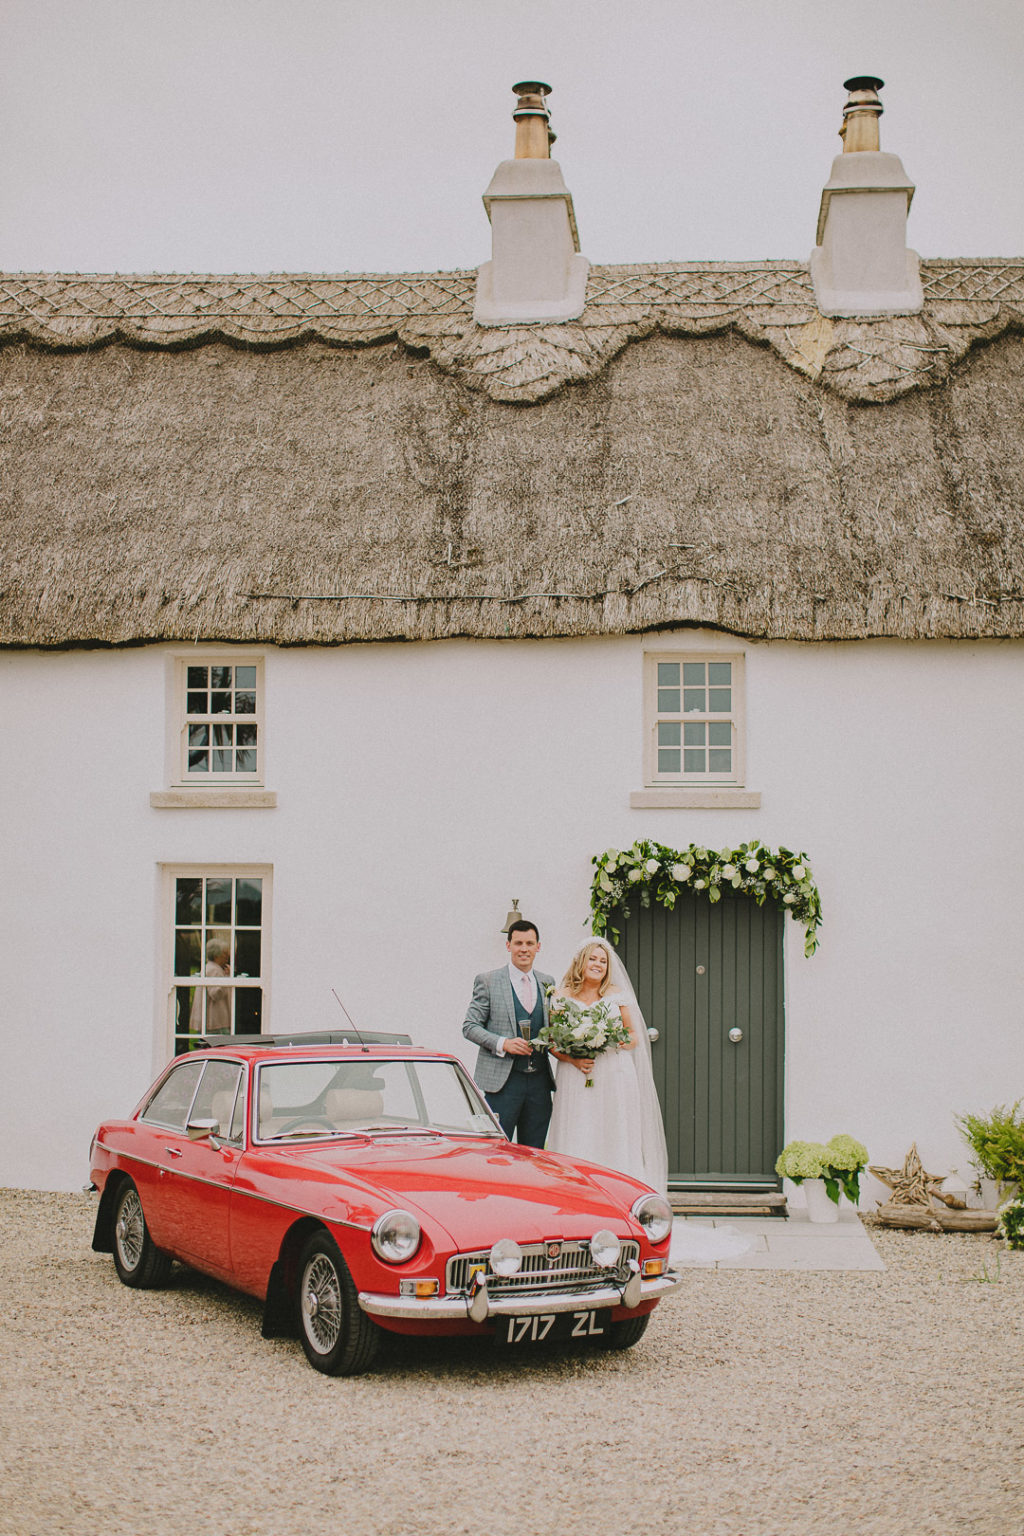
(367, 1189)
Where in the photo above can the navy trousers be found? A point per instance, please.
(523, 1107)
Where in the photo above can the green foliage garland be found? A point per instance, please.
(653, 870)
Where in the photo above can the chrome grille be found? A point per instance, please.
(572, 1270)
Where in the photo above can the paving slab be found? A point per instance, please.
(759, 1242)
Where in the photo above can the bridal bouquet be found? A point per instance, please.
(580, 1031)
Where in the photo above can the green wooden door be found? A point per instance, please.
(701, 971)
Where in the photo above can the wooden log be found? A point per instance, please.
(928, 1219)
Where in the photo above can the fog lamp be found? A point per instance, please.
(506, 1257)
(605, 1249)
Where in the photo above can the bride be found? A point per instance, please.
(617, 1121)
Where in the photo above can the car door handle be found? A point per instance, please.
(173, 1151)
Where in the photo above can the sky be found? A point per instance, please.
(359, 135)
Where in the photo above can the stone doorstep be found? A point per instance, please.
(727, 1202)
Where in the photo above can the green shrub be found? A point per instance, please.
(997, 1142)
(839, 1162)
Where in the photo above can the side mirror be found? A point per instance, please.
(199, 1130)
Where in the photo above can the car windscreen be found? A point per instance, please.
(300, 1099)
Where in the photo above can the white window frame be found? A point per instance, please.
(186, 790)
(736, 717)
(182, 777)
(170, 873)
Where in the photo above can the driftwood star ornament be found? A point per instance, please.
(910, 1185)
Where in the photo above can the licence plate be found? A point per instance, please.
(585, 1324)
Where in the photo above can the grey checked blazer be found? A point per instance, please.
(492, 1016)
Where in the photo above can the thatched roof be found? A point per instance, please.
(306, 478)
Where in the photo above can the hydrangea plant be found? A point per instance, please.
(655, 872)
(840, 1162)
(1011, 1223)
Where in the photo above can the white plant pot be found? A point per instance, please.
(990, 1194)
(819, 1206)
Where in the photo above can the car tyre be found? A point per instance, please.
(625, 1334)
(337, 1336)
(139, 1263)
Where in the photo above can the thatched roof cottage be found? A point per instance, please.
(694, 554)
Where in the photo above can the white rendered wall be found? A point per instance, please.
(421, 787)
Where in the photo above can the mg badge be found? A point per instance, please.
(554, 1250)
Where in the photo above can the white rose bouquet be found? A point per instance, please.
(579, 1031)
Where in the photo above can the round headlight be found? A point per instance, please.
(395, 1236)
(506, 1257)
(654, 1214)
(605, 1249)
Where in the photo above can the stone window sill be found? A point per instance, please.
(218, 799)
(670, 798)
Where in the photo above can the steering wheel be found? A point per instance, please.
(313, 1120)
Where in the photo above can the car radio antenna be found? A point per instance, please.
(351, 1020)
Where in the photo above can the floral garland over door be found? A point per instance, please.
(654, 871)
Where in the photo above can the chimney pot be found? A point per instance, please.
(859, 131)
(533, 135)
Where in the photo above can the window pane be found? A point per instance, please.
(693, 762)
(221, 677)
(720, 672)
(693, 699)
(247, 952)
(186, 952)
(668, 701)
(720, 734)
(245, 762)
(245, 735)
(245, 703)
(197, 703)
(218, 901)
(693, 673)
(238, 1118)
(669, 733)
(719, 760)
(182, 1010)
(693, 735)
(170, 1104)
(197, 677)
(248, 1011)
(245, 677)
(668, 674)
(220, 703)
(188, 901)
(720, 700)
(222, 735)
(199, 762)
(250, 902)
(223, 762)
(668, 759)
(199, 735)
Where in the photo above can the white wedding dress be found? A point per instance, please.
(604, 1123)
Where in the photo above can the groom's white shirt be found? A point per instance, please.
(515, 976)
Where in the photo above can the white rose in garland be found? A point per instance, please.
(681, 872)
(636, 874)
(752, 865)
(652, 866)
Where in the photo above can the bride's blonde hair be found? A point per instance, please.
(573, 978)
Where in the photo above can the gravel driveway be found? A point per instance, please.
(759, 1404)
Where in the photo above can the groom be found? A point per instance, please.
(509, 1006)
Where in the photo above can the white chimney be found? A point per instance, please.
(535, 273)
(861, 264)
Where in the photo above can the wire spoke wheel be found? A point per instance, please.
(130, 1230)
(139, 1263)
(321, 1302)
(337, 1336)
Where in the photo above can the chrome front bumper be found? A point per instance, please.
(523, 1304)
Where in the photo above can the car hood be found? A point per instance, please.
(480, 1191)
